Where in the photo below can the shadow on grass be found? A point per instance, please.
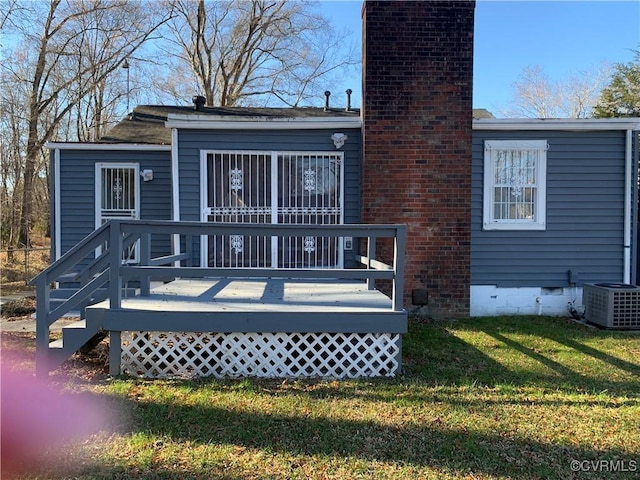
(429, 445)
(439, 365)
(551, 353)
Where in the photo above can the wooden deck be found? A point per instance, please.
(259, 305)
(221, 321)
(238, 327)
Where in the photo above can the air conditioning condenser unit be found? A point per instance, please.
(612, 305)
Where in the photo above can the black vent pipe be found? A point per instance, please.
(198, 102)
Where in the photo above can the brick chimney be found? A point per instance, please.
(417, 113)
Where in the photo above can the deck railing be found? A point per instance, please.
(97, 263)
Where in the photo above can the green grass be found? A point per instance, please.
(491, 398)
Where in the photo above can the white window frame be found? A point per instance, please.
(491, 149)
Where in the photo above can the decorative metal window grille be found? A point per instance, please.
(516, 186)
(236, 179)
(237, 243)
(118, 187)
(117, 197)
(309, 244)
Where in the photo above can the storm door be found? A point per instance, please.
(238, 190)
(273, 187)
(118, 196)
(309, 193)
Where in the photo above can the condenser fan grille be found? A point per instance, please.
(612, 305)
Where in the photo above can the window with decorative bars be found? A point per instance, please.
(515, 185)
(118, 197)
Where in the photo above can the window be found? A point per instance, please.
(118, 196)
(515, 185)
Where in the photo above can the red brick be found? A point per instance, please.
(417, 113)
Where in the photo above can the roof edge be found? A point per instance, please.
(630, 123)
(108, 146)
(259, 122)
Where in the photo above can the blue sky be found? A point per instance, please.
(562, 37)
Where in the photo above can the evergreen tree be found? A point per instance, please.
(621, 98)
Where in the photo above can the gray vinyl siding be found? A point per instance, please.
(77, 191)
(191, 142)
(585, 215)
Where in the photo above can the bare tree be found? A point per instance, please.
(76, 47)
(257, 50)
(8, 10)
(535, 95)
(12, 125)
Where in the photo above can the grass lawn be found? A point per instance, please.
(520, 397)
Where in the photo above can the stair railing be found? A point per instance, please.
(70, 268)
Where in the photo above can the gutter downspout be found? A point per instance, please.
(627, 206)
(175, 191)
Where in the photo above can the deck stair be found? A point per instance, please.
(74, 337)
(78, 335)
(84, 278)
(61, 295)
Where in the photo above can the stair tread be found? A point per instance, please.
(80, 324)
(70, 314)
(56, 344)
(67, 276)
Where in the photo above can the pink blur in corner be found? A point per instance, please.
(37, 419)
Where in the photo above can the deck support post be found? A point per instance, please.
(371, 254)
(115, 260)
(42, 328)
(145, 260)
(399, 248)
(188, 248)
(115, 352)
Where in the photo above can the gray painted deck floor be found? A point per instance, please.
(262, 295)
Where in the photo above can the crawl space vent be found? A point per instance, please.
(612, 305)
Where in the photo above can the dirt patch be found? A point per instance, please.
(19, 349)
(18, 309)
(90, 367)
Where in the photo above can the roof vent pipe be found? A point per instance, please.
(327, 94)
(198, 102)
(349, 92)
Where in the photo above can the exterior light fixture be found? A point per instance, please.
(339, 139)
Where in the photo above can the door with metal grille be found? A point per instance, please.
(118, 196)
(238, 190)
(309, 193)
(273, 187)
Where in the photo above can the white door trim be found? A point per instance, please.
(99, 168)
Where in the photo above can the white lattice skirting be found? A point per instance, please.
(279, 355)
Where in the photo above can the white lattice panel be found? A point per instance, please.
(281, 355)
